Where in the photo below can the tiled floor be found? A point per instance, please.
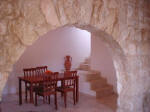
(86, 104)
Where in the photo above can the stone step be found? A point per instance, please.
(95, 78)
(87, 61)
(109, 87)
(98, 86)
(96, 74)
(104, 92)
(84, 67)
(98, 82)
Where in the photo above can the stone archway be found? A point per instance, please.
(22, 22)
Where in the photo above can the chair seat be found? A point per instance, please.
(40, 89)
(34, 88)
(63, 89)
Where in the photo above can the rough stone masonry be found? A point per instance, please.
(124, 25)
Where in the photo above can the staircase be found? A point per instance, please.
(85, 65)
(97, 85)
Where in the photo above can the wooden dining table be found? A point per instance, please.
(33, 80)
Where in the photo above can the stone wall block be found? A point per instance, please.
(3, 56)
(61, 13)
(145, 35)
(50, 13)
(147, 20)
(6, 8)
(86, 8)
(121, 81)
(123, 14)
(113, 4)
(124, 35)
(71, 9)
(24, 31)
(141, 15)
(146, 13)
(133, 64)
(97, 9)
(145, 64)
(143, 48)
(131, 49)
(43, 29)
(132, 15)
(146, 102)
(143, 25)
(3, 27)
(30, 11)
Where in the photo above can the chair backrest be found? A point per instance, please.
(54, 75)
(70, 73)
(69, 82)
(70, 79)
(29, 72)
(41, 70)
(74, 73)
(50, 82)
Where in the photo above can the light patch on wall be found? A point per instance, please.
(83, 36)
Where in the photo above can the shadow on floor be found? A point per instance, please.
(86, 104)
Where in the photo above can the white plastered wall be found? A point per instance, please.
(50, 50)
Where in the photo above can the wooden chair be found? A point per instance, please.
(29, 73)
(68, 85)
(41, 70)
(70, 73)
(54, 76)
(48, 88)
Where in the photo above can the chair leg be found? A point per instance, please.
(65, 99)
(46, 98)
(74, 99)
(31, 95)
(43, 99)
(26, 93)
(62, 94)
(35, 99)
(56, 100)
(49, 99)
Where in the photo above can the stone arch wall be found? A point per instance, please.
(126, 21)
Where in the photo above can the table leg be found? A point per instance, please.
(0, 107)
(20, 92)
(77, 88)
(62, 87)
(31, 93)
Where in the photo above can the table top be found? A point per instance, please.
(35, 79)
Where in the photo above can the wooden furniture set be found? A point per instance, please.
(36, 81)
